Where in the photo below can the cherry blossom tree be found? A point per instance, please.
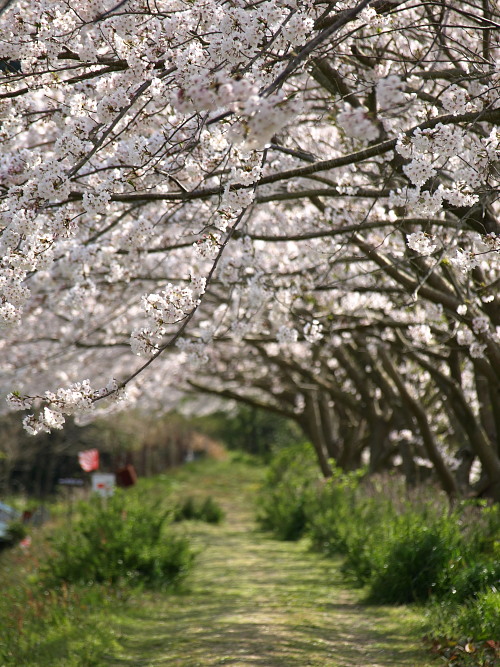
(288, 203)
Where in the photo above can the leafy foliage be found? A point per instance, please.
(411, 562)
(403, 549)
(481, 617)
(467, 635)
(122, 538)
(192, 509)
(288, 487)
(482, 575)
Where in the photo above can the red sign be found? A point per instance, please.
(89, 460)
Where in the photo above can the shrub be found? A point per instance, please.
(416, 556)
(364, 542)
(477, 620)
(404, 549)
(119, 539)
(282, 504)
(480, 577)
(186, 510)
(330, 514)
(211, 512)
(343, 520)
(208, 510)
(480, 525)
(480, 618)
(476, 568)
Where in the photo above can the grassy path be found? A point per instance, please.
(255, 601)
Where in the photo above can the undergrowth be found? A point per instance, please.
(289, 484)
(401, 547)
(120, 538)
(207, 510)
(57, 592)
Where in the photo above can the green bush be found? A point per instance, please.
(480, 618)
(186, 511)
(403, 548)
(342, 520)
(480, 526)
(476, 568)
(330, 513)
(289, 485)
(119, 539)
(400, 551)
(414, 559)
(476, 620)
(480, 577)
(211, 512)
(207, 510)
(363, 543)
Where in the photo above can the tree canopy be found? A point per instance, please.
(289, 203)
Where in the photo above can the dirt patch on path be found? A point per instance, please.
(255, 601)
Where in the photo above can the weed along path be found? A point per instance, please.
(255, 601)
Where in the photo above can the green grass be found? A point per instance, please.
(63, 627)
(250, 600)
(255, 601)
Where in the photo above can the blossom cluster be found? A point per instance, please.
(170, 306)
(421, 243)
(135, 136)
(77, 398)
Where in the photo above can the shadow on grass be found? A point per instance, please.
(265, 603)
(216, 634)
(255, 601)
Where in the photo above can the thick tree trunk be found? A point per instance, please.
(485, 407)
(444, 475)
(472, 426)
(313, 427)
(379, 431)
(328, 427)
